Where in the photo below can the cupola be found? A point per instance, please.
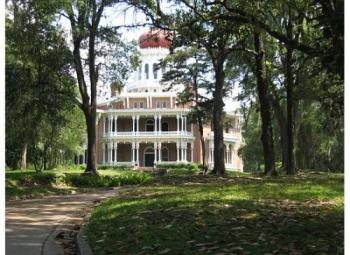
(155, 39)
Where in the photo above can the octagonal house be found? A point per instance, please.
(143, 125)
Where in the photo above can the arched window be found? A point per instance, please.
(155, 71)
(147, 71)
(165, 154)
(149, 125)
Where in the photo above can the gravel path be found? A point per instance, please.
(29, 223)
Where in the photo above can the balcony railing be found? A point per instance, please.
(147, 133)
(228, 136)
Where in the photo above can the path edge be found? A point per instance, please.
(82, 245)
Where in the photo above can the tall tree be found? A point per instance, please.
(263, 93)
(189, 67)
(96, 41)
(38, 82)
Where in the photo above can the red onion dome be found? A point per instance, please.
(154, 39)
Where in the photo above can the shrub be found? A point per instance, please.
(183, 166)
(107, 180)
(114, 167)
(76, 180)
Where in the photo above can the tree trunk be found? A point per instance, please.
(24, 157)
(200, 126)
(91, 149)
(218, 120)
(281, 120)
(45, 156)
(290, 164)
(265, 111)
(200, 123)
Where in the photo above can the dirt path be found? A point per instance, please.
(30, 222)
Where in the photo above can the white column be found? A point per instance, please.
(185, 123)
(137, 153)
(133, 125)
(133, 152)
(192, 145)
(155, 152)
(155, 124)
(110, 125)
(185, 151)
(160, 152)
(160, 124)
(171, 101)
(178, 124)
(150, 102)
(137, 123)
(127, 102)
(110, 153)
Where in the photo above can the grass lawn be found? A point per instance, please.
(16, 188)
(232, 215)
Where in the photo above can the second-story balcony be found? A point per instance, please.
(158, 126)
(148, 134)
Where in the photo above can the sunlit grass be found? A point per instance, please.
(256, 215)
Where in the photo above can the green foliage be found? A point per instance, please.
(184, 166)
(40, 91)
(27, 182)
(106, 180)
(114, 167)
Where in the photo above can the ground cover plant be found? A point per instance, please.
(29, 183)
(223, 215)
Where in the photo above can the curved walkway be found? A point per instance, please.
(30, 222)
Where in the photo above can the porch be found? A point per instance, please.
(147, 153)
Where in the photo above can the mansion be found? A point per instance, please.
(143, 125)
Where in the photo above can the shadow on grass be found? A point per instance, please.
(238, 216)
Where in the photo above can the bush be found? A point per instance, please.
(114, 167)
(76, 180)
(44, 179)
(106, 180)
(183, 166)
